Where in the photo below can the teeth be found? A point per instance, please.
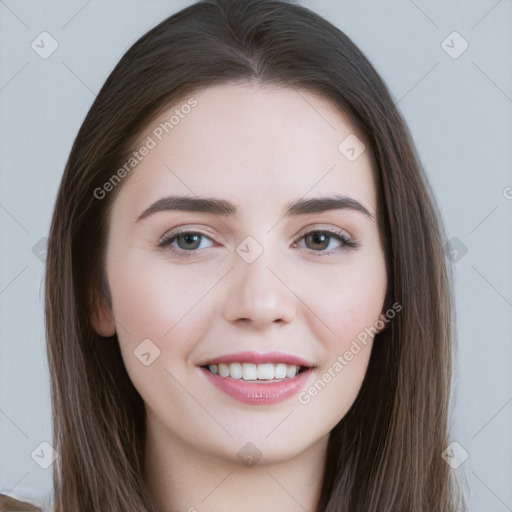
(291, 371)
(235, 371)
(250, 371)
(280, 371)
(223, 370)
(265, 371)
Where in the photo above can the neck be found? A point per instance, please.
(183, 479)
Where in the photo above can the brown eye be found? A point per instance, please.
(318, 240)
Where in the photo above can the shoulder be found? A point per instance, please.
(9, 504)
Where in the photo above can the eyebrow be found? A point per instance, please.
(226, 208)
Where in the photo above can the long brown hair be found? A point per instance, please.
(385, 454)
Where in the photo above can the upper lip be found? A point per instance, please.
(258, 358)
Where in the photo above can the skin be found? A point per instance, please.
(259, 147)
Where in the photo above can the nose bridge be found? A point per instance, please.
(257, 295)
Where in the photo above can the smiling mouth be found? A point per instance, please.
(251, 372)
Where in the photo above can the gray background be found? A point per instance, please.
(459, 112)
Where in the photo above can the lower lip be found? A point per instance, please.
(256, 393)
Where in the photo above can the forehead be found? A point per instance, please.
(250, 143)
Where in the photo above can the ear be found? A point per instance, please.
(102, 318)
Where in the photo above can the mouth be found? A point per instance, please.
(258, 379)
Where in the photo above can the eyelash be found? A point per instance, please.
(346, 242)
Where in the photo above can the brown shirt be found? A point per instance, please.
(8, 504)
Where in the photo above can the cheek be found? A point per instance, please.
(161, 302)
(345, 299)
(155, 301)
(343, 308)
(346, 310)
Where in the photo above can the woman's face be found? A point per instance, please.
(263, 281)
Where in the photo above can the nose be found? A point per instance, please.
(259, 294)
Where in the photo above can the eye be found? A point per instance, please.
(325, 241)
(184, 241)
(321, 241)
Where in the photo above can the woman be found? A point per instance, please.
(246, 297)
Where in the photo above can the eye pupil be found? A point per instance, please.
(319, 238)
(189, 238)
